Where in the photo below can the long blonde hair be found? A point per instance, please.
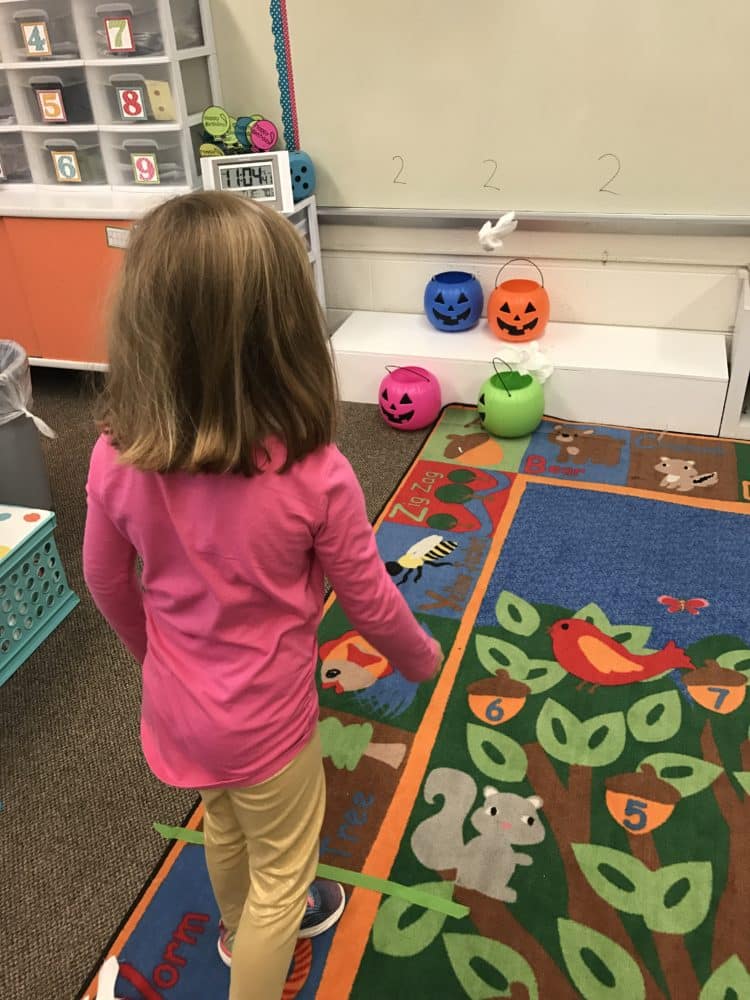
(217, 341)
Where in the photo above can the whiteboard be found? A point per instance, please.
(582, 106)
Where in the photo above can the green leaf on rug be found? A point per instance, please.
(730, 980)
(655, 718)
(743, 780)
(496, 755)
(539, 675)
(487, 968)
(614, 875)
(495, 653)
(516, 615)
(674, 899)
(736, 659)
(689, 775)
(595, 742)
(678, 897)
(403, 929)
(598, 966)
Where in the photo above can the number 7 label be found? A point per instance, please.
(119, 33)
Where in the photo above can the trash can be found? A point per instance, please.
(23, 474)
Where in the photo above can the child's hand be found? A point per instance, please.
(439, 659)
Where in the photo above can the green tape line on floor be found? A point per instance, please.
(387, 888)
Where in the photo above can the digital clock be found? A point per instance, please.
(264, 177)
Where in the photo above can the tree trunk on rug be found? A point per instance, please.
(568, 812)
(489, 916)
(675, 960)
(733, 912)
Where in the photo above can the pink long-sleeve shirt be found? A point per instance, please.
(224, 618)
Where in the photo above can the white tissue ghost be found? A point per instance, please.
(528, 359)
(107, 979)
(491, 237)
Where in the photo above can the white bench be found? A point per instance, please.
(633, 376)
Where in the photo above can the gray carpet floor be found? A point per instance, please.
(76, 844)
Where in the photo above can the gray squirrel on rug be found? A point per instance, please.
(487, 862)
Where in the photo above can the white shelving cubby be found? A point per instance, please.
(98, 96)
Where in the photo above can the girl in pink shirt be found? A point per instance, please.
(216, 466)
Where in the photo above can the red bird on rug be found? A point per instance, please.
(586, 652)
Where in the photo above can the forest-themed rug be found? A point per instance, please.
(578, 776)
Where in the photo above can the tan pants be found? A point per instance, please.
(262, 852)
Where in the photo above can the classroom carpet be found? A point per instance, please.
(563, 812)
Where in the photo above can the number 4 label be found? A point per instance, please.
(145, 168)
(119, 32)
(131, 103)
(36, 38)
(66, 166)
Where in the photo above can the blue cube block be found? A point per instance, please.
(303, 175)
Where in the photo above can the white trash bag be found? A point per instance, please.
(15, 387)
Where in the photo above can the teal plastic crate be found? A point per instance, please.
(34, 592)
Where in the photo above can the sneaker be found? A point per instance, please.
(325, 904)
(225, 944)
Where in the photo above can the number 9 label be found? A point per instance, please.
(145, 168)
(66, 166)
(131, 104)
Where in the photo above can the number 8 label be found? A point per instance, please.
(145, 168)
(131, 104)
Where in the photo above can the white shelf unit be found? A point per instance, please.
(126, 122)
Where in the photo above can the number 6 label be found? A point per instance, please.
(131, 103)
(66, 166)
(145, 168)
(119, 33)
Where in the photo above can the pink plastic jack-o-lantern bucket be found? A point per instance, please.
(409, 398)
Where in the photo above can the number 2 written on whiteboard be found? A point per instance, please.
(614, 166)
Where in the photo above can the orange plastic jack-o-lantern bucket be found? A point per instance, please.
(518, 309)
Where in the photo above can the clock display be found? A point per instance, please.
(255, 180)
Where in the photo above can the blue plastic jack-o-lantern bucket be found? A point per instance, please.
(409, 398)
(453, 301)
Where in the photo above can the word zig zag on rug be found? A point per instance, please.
(578, 776)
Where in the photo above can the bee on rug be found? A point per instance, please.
(430, 551)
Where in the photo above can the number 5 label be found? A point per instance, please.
(145, 168)
(51, 105)
(66, 166)
(131, 103)
(36, 38)
(119, 32)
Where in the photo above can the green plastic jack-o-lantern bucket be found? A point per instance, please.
(511, 405)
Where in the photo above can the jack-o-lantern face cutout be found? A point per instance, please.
(396, 411)
(451, 318)
(518, 326)
(453, 301)
(518, 310)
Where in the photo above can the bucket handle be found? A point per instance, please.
(500, 374)
(513, 261)
(405, 368)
